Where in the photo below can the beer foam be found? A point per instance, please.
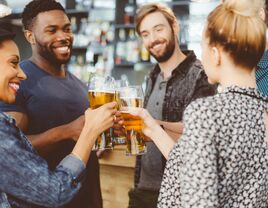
(103, 91)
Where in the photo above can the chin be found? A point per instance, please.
(64, 60)
(211, 81)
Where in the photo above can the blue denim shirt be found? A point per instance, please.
(25, 180)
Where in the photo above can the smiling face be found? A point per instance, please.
(11, 73)
(158, 36)
(52, 37)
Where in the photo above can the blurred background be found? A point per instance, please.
(104, 34)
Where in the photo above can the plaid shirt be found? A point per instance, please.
(262, 74)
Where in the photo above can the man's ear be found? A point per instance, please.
(216, 53)
(29, 37)
(176, 27)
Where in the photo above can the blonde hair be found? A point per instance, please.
(236, 26)
(144, 10)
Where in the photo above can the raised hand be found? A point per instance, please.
(100, 118)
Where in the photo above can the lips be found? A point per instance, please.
(157, 46)
(14, 86)
(62, 49)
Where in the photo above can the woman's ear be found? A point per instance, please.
(216, 53)
(29, 37)
(262, 14)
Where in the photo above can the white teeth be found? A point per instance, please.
(14, 86)
(64, 49)
(157, 46)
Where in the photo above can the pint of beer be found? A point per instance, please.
(132, 96)
(98, 98)
(101, 92)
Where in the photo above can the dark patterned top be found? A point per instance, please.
(221, 160)
(262, 74)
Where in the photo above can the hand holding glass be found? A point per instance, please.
(101, 91)
(132, 96)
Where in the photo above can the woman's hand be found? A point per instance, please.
(100, 119)
(150, 124)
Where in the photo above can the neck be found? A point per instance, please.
(53, 69)
(239, 76)
(168, 66)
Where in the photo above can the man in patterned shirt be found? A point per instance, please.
(176, 80)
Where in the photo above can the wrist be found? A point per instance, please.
(89, 133)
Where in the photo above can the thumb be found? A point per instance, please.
(110, 105)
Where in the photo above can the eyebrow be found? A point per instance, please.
(66, 25)
(15, 56)
(153, 27)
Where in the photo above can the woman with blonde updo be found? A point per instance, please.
(221, 158)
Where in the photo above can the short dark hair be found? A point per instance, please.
(35, 7)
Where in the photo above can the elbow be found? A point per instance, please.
(63, 197)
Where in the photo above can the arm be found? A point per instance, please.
(45, 142)
(26, 175)
(173, 129)
(154, 131)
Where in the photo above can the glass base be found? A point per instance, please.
(135, 143)
(104, 142)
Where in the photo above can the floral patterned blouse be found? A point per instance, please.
(222, 158)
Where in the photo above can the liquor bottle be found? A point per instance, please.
(132, 47)
(121, 47)
(144, 54)
(129, 12)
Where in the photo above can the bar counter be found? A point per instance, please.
(117, 177)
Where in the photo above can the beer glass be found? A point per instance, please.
(101, 91)
(132, 96)
(119, 139)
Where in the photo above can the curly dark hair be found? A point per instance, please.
(35, 7)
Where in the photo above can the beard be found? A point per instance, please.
(48, 54)
(168, 50)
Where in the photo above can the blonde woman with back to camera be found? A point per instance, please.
(221, 158)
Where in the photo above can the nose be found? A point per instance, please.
(152, 37)
(21, 75)
(61, 35)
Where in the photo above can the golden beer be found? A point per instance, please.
(97, 99)
(133, 126)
